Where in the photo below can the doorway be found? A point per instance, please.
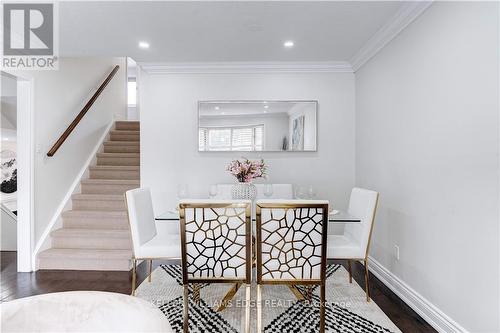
(17, 153)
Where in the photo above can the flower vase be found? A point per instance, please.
(244, 191)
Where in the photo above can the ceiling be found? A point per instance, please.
(221, 31)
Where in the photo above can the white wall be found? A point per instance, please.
(427, 138)
(58, 98)
(8, 228)
(169, 132)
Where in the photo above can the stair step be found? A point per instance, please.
(127, 125)
(93, 219)
(114, 172)
(85, 259)
(98, 202)
(118, 159)
(124, 135)
(122, 147)
(108, 186)
(91, 239)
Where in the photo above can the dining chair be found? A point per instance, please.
(291, 247)
(215, 247)
(354, 243)
(147, 243)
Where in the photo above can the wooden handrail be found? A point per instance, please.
(82, 113)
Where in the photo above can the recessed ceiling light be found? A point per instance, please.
(288, 44)
(222, 113)
(265, 111)
(266, 106)
(216, 108)
(144, 45)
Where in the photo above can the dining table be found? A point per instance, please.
(336, 216)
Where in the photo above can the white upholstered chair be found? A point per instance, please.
(216, 247)
(291, 248)
(82, 311)
(147, 244)
(354, 244)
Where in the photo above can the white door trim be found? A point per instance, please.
(25, 171)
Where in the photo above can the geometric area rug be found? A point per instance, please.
(346, 311)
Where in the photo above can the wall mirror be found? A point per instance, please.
(257, 125)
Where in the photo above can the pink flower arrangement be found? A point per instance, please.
(246, 170)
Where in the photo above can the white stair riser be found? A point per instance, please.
(134, 161)
(98, 204)
(86, 264)
(114, 174)
(96, 223)
(107, 188)
(124, 137)
(103, 243)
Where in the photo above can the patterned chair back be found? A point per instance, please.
(291, 241)
(215, 241)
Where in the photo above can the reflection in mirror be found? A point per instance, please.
(257, 126)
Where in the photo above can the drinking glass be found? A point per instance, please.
(213, 191)
(268, 190)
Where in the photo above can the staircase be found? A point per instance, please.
(95, 233)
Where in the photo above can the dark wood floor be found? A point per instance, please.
(16, 285)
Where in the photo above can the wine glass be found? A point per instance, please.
(213, 191)
(182, 191)
(311, 192)
(299, 192)
(268, 190)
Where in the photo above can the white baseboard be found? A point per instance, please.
(55, 221)
(428, 311)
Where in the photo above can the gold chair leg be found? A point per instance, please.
(247, 309)
(259, 308)
(322, 308)
(150, 264)
(349, 268)
(185, 309)
(134, 268)
(296, 292)
(196, 293)
(228, 297)
(367, 281)
(309, 293)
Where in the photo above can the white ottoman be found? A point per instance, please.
(82, 311)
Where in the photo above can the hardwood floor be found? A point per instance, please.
(16, 285)
(401, 314)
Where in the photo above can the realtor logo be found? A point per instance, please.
(29, 36)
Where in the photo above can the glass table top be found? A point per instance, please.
(337, 216)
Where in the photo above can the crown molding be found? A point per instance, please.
(246, 67)
(405, 15)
